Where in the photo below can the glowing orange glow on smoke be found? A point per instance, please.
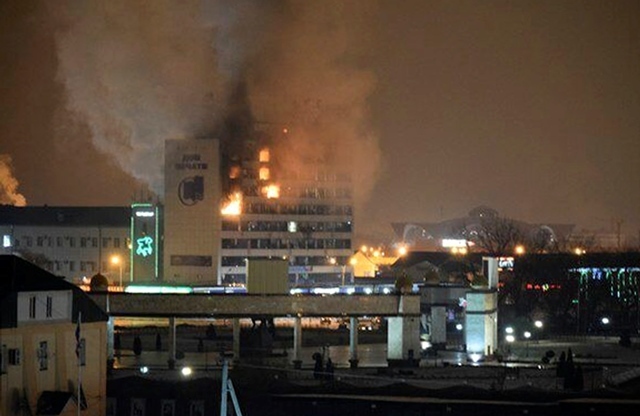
(233, 206)
(264, 155)
(264, 174)
(272, 191)
(285, 130)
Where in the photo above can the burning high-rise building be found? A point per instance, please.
(251, 200)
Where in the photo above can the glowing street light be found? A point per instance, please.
(510, 338)
(186, 371)
(116, 260)
(508, 330)
(538, 324)
(605, 321)
(519, 250)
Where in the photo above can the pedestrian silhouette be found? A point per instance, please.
(329, 369)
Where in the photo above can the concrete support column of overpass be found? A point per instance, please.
(297, 342)
(438, 333)
(353, 342)
(110, 335)
(172, 342)
(236, 338)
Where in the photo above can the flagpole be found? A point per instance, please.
(78, 346)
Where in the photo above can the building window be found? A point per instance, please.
(3, 359)
(94, 242)
(82, 354)
(32, 307)
(105, 242)
(83, 242)
(72, 266)
(39, 241)
(49, 306)
(6, 241)
(59, 241)
(14, 356)
(116, 242)
(43, 355)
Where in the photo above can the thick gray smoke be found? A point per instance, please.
(9, 194)
(141, 72)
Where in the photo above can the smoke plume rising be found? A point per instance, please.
(142, 72)
(9, 194)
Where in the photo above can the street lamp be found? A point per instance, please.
(527, 335)
(116, 260)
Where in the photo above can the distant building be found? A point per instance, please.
(74, 242)
(42, 353)
(445, 235)
(367, 264)
(224, 205)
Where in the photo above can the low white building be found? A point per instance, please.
(74, 242)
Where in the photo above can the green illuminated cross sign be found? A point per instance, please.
(144, 246)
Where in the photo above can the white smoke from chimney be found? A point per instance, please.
(9, 194)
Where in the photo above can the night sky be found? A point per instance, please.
(530, 107)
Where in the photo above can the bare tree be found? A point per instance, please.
(495, 235)
(542, 240)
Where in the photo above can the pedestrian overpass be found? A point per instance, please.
(402, 311)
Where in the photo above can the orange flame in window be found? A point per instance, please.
(233, 206)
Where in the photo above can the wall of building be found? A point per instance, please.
(192, 210)
(70, 251)
(58, 369)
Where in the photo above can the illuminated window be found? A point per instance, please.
(6, 241)
(264, 155)
(234, 172)
(264, 174)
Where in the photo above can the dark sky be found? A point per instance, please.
(530, 107)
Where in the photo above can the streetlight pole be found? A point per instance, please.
(117, 260)
(527, 335)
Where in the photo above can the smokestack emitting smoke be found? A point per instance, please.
(142, 72)
(9, 194)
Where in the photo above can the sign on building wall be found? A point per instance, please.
(191, 210)
(144, 242)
